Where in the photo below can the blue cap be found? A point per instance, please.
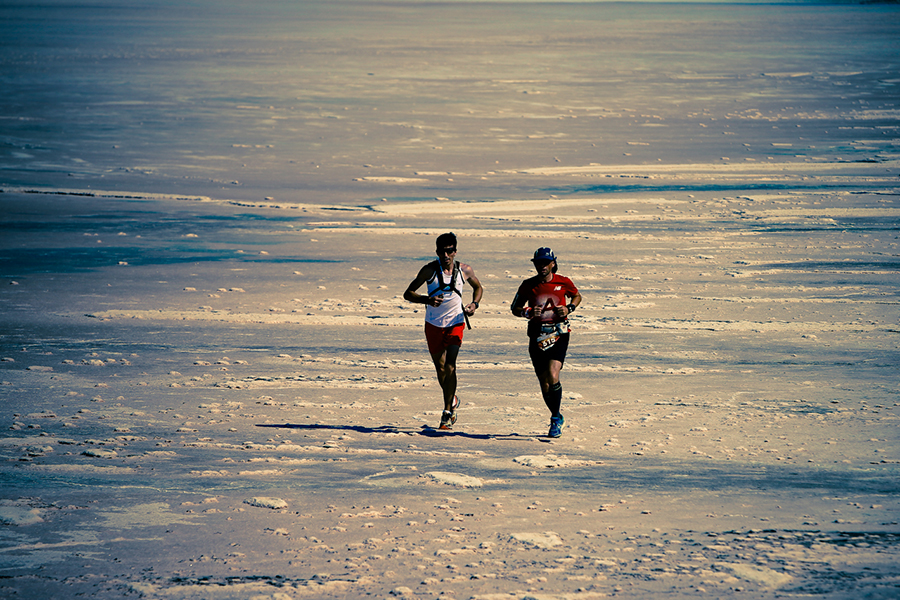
(542, 254)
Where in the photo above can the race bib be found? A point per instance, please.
(549, 335)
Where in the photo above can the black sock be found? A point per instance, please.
(553, 398)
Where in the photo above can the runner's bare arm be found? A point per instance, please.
(563, 311)
(576, 300)
(477, 288)
(411, 295)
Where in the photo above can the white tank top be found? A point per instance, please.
(450, 312)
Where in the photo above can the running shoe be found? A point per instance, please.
(557, 424)
(447, 420)
(453, 406)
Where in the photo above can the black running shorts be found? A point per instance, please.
(541, 358)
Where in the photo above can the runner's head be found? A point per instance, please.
(446, 245)
(544, 256)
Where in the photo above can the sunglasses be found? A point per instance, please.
(447, 251)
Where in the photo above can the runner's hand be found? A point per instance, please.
(470, 309)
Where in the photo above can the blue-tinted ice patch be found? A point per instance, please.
(710, 187)
(19, 262)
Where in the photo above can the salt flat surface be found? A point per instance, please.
(211, 386)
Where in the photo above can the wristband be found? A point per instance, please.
(571, 308)
(475, 303)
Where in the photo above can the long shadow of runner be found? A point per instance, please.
(424, 431)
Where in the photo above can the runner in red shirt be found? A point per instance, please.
(547, 300)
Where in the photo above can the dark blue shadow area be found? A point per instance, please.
(835, 265)
(137, 222)
(861, 224)
(20, 262)
(613, 188)
(724, 478)
(425, 430)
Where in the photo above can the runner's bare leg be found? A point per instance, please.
(445, 365)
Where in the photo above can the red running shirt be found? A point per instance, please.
(543, 296)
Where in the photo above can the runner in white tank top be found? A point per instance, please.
(445, 315)
(450, 311)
